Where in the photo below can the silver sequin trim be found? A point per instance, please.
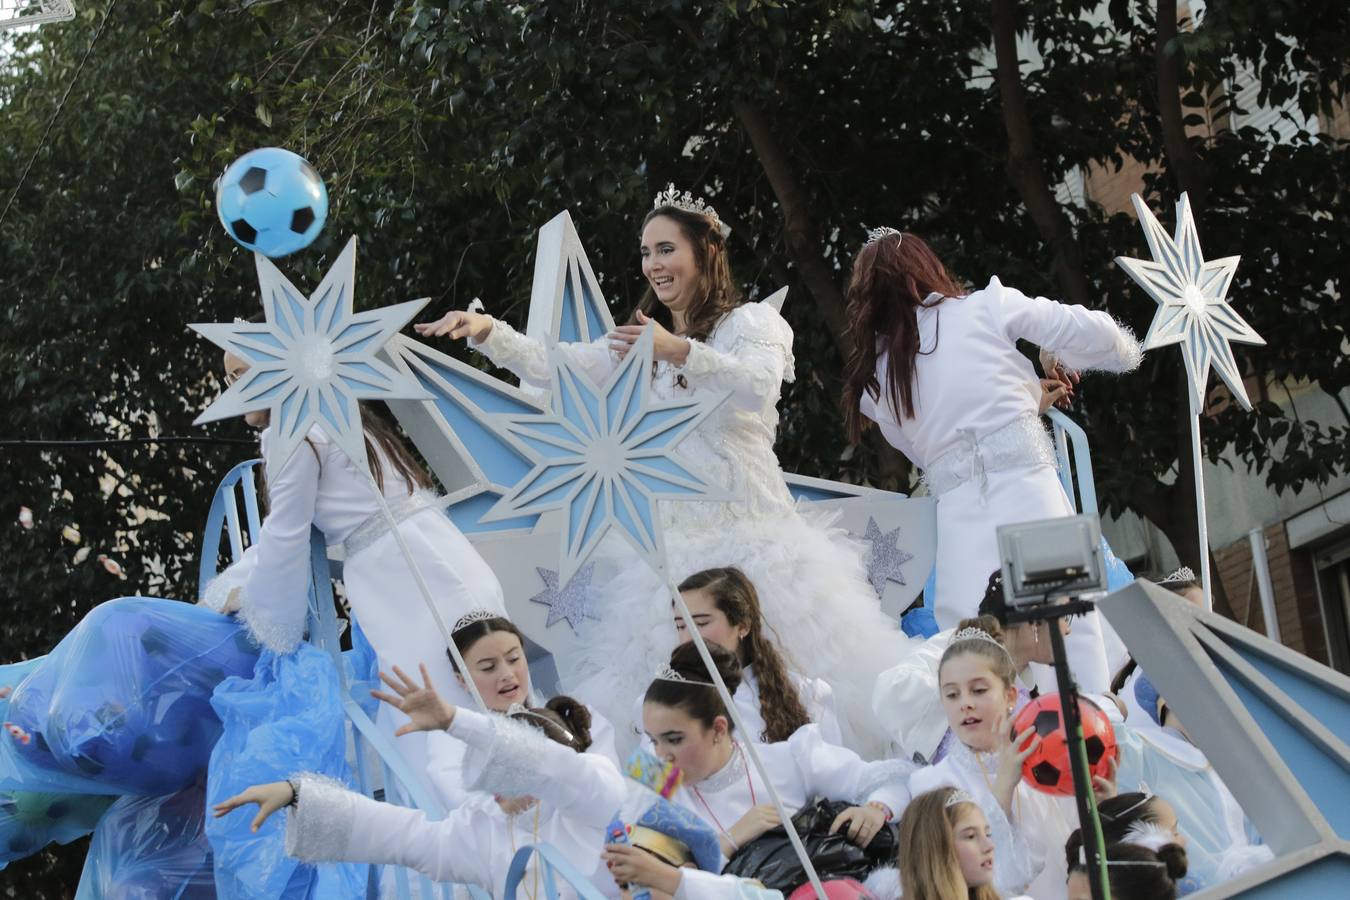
(1022, 443)
(319, 825)
(733, 772)
(376, 526)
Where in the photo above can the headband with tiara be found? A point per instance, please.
(1182, 574)
(476, 615)
(976, 634)
(519, 709)
(689, 203)
(876, 234)
(666, 673)
(958, 796)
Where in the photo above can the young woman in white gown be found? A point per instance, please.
(773, 700)
(938, 370)
(687, 723)
(810, 577)
(320, 487)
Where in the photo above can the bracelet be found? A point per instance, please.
(885, 810)
(295, 792)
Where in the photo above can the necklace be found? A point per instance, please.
(721, 783)
(533, 891)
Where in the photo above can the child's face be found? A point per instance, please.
(499, 669)
(678, 737)
(975, 699)
(974, 845)
(712, 623)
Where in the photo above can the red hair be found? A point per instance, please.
(892, 278)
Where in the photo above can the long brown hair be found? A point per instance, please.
(734, 594)
(717, 294)
(891, 280)
(929, 868)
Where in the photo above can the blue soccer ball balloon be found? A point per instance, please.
(272, 201)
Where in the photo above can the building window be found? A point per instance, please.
(1333, 591)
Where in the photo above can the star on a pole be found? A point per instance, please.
(311, 360)
(1192, 307)
(884, 557)
(571, 602)
(605, 455)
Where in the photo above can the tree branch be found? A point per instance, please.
(1181, 161)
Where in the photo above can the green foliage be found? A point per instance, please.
(448, 132)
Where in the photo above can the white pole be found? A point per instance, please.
(1261, 564)
(748, 744)
(1200, 515)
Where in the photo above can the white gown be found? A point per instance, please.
(320, 487)
(809, 576)
(815, 695)
(803, 768)
(1029, 849)
(976, 434)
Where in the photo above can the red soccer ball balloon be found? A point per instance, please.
(1047, 768)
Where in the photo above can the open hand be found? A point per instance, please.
(1012, 752)
(457, 323)
(424, 707)
(269, 797)
(666, 347)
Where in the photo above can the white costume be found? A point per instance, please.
(320, 487)
(803, 768)
(977, 435)
(815, 695)
(1029, 849)
(809, 577)
(884, 883)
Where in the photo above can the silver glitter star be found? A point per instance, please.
(886, 557)
(571, 602)
(1192, 307)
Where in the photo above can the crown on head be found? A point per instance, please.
(876, 234)
(958, 796)
(666, 673)
(687, 202)
(1182, 574)
(475, 615)
(977, 634)
(520, 709)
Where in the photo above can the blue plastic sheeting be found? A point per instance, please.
(284, 719)
(122, 704)
(150, 847)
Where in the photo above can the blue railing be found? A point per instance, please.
(1070, 438)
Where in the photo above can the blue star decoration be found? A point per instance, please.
(885, 557)
(605, 455)
(1192, 307)
(572, 602)
(312, 360)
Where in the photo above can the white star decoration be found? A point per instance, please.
(1192, 309)
(605, 456)
(571, 602)
(886, 557)
(311, 360)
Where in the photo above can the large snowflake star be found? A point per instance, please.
(605, 455)
(1192, 309)
(311, 360)
(571, 602)
(885, 557)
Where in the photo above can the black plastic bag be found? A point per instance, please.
(771, 860)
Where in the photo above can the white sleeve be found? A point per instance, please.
(514, 759)
(837, 773)
(527, 358)
(818, 697)
(756, 361)
(332, 824)
(906, 701)
(1082, 338)
(875, 409)
(274, 599)
(445, 769)
(695, 884)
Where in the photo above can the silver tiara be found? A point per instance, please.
(475, 615)
(520, 709)
(666, 673)
(876, 234)
(977, 634)
(687, 202)
(1182, 574)
(958, 796)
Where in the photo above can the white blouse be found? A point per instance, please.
(971, 374)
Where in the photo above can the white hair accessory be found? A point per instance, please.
(1150, 835)
(666, 673)
(475, 615)
(1182, 574)
(689, 203)
(958, 796)
(876, 234)
(520, 709)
